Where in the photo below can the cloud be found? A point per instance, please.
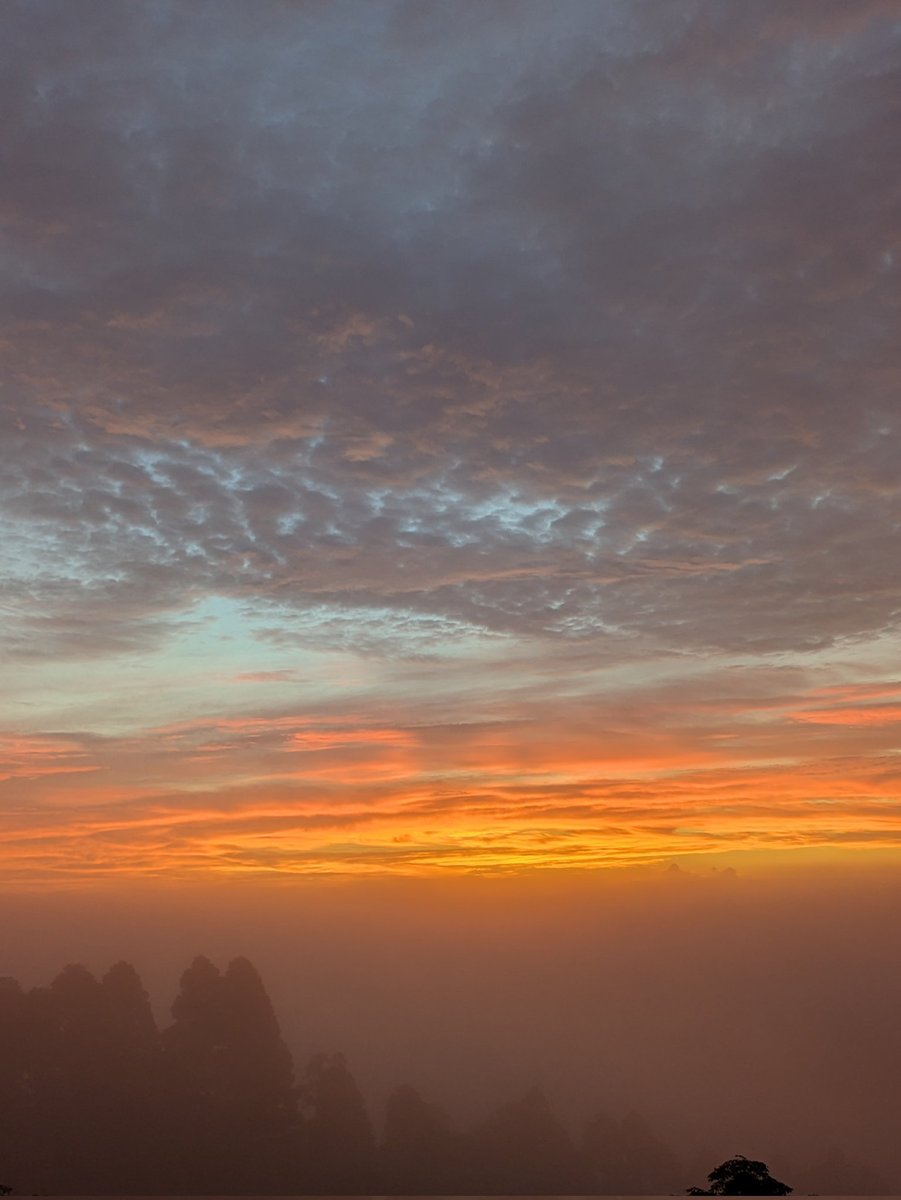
(279, 676)
(616, 776)
(449, 358)
(284, 331)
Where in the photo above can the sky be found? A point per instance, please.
(448, 440)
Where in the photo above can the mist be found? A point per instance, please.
(752, 1014)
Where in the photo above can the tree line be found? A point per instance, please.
(96, 1100)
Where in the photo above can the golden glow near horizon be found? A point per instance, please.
(691, 761)
(431, 454)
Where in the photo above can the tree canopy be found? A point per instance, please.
(741, 1176)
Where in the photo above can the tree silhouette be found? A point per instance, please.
(66, 1078)
(340, 1148)
(261, 1099)
(418, 1156)
(15, 1123)
(233, 1111)
(522, 1149)
(95, 1101)
(627, 1158)
(5, 1189)
(741, 1176)
(128, 1085)
(77, 1073)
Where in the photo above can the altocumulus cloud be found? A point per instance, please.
(559, 319)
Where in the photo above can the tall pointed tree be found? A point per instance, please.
(68, 1033)
(234, 1112)
(192, 1048)
(523, 1149)
(15, 1125)
(419, 1152)
(340, 1148)
(260, 1101)
(627, 1158)
(134, 1102)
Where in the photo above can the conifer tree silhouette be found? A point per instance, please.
(522, 1149)
(418, 1156)
(234, 1121)
(131, 1082)
(340, 1148)
(627, 1158)
(261, 1099)
(82, 1054)
(15, 1125)
(70, 1024)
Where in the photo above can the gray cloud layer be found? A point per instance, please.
(540, 319)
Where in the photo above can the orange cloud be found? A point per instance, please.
(584, 782)
(868, 714)
(332, 739)
(28, 757)
(428, 827)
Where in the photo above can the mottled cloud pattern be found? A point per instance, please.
(448, 435)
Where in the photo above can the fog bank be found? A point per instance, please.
(742, 1014)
